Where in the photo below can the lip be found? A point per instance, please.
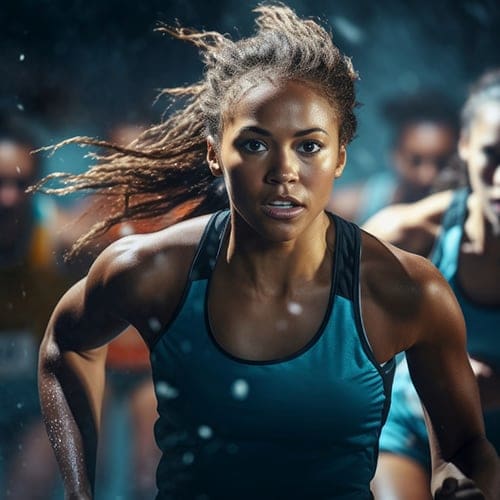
(283, 213)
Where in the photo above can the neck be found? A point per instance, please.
(279, 268)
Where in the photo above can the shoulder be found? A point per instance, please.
(414, 226)
(141, 270)
(408, 292)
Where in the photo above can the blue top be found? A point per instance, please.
(483, 322)
(304, 426)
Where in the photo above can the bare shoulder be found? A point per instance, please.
(405, 292)
(143, 276)
(414, 226)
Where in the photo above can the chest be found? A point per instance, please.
(328, 390)
(266, 328)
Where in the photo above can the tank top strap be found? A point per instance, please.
(346, 284)
(347, 255)
(209, 246)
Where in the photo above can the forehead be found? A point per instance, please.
(273, 104)
(425, 133)
(485, 125)
(16, 160)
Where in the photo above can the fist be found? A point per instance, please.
(458, 489)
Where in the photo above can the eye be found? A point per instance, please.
(254, 146)
(309, 147)
(492, 154)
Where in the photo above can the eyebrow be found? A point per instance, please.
(300, 133)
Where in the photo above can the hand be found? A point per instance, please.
(458, 489)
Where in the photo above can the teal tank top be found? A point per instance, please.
(483, 332)
(301, 427)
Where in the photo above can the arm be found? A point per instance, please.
(135, 279)
(71, 376)
(443, 377)
(412, 227)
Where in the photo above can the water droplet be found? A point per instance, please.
(126, 229)
(18, 169)
(154, 324)
(21, 57)
(186, 346)
(205, 432)
(20, 107)
(188, 458)
(294, 308)
(166, 391)
(19, 405)
(240, 389)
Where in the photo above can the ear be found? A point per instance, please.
(212, 158)
(341, 161)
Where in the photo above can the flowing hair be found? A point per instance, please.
(164, 172)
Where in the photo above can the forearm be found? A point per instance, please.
(71, 388)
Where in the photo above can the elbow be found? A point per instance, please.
(49, 356)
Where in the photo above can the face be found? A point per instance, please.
(479, 147)
(17, 169)
(279, 154)
(423, 151)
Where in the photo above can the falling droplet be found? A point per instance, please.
(154, 324)
(21, 57)
(186, 346)
(18, 169)
(20, 107)
(126, 229)
(240, 389)
(205, 432)
(294, 308)
(166, 391)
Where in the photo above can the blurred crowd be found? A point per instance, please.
(36, 234)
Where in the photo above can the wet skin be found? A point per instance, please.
(279, 154)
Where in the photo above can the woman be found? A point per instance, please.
(463, 229)
(269, 383)
(425, 133)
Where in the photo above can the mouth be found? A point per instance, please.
(283, 208)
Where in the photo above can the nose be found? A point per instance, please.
(283, 169)
(427, 172)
